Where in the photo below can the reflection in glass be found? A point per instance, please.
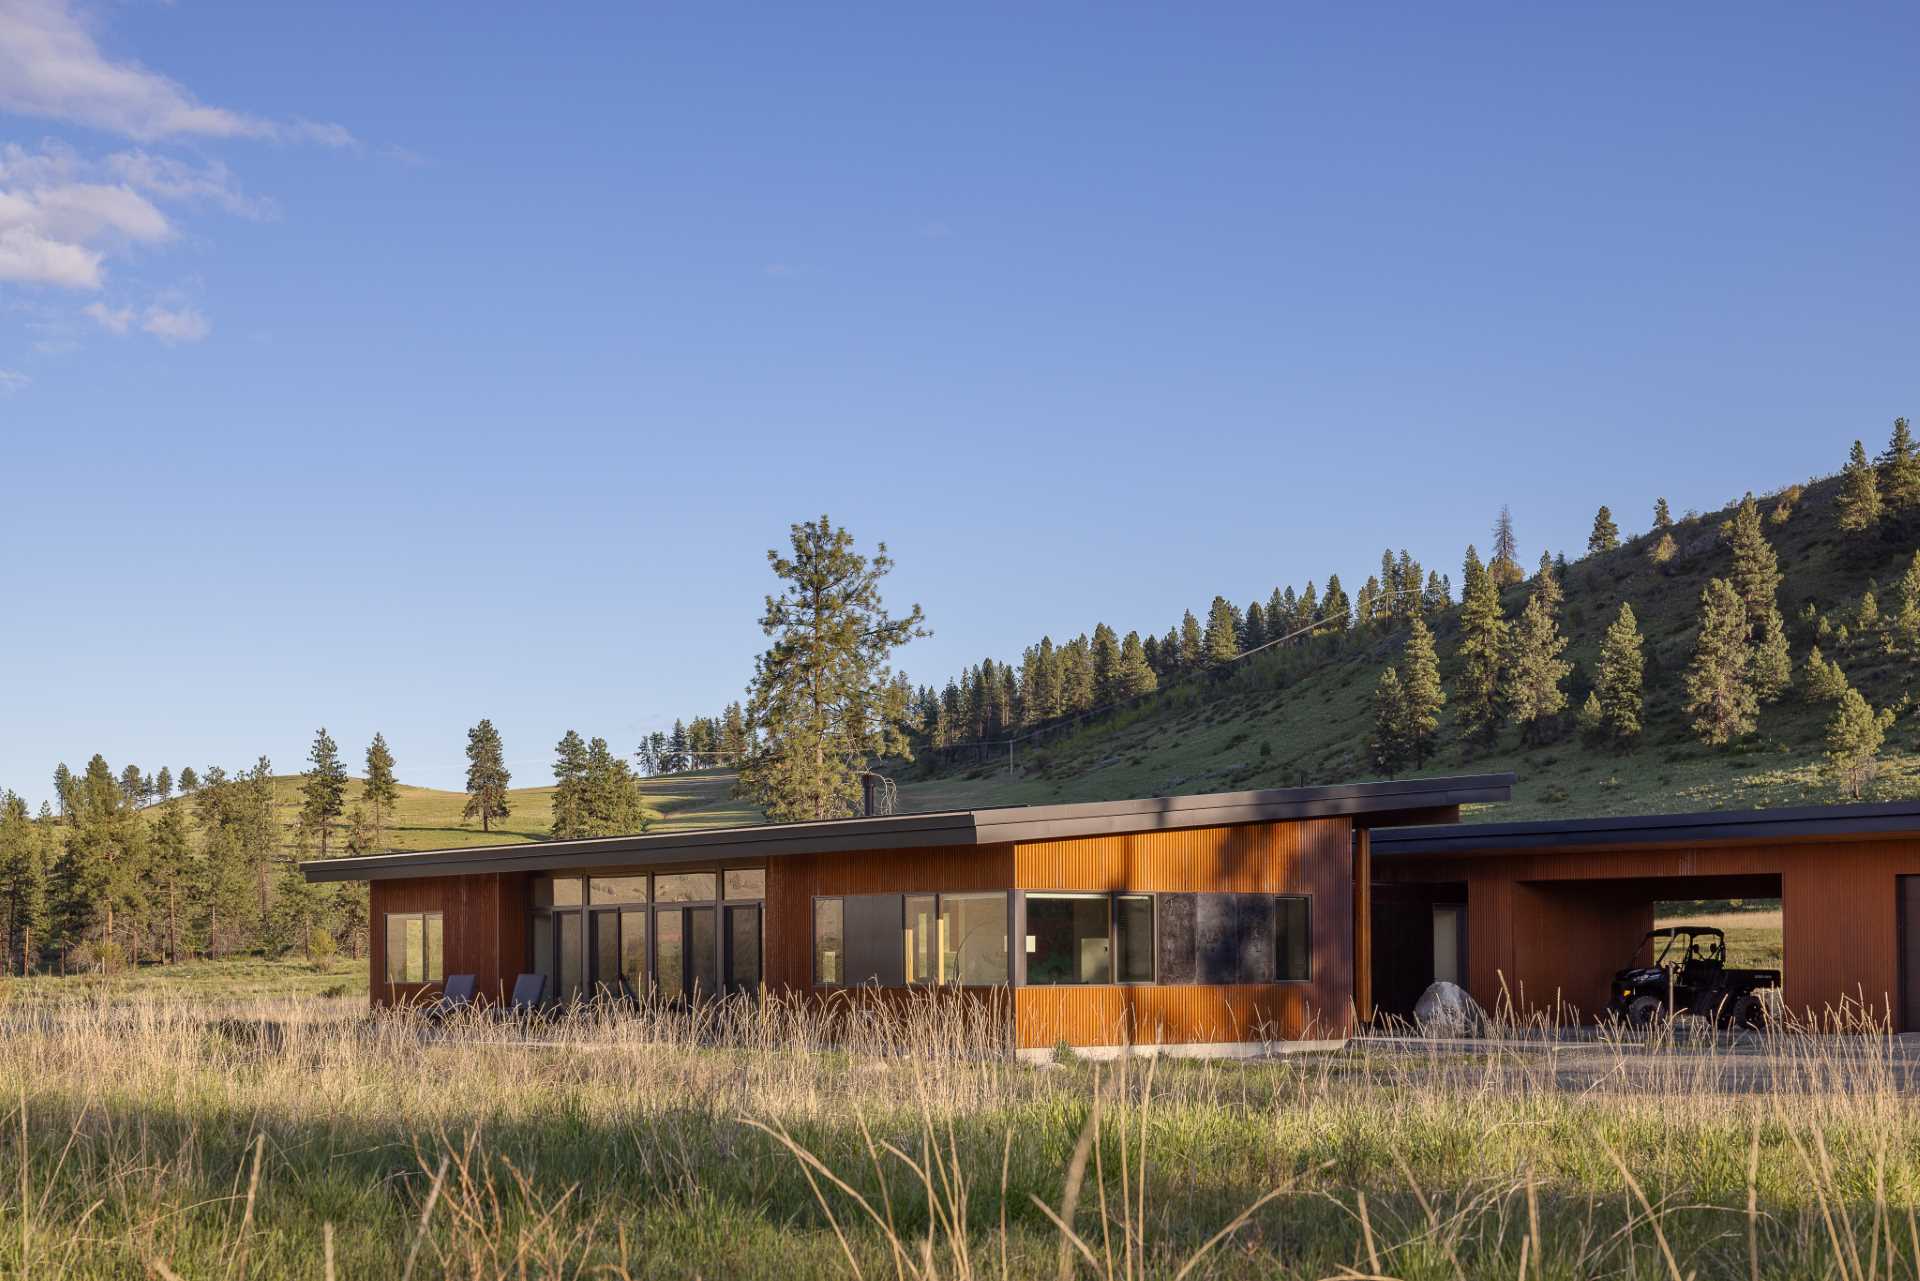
(669, 969)
(703, 952)
(686, 887)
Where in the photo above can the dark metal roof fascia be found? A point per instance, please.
(913, 831)
(1891, 817)
(772, 839)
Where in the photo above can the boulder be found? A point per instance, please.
(1445, 1010)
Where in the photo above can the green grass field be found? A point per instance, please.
(305, 1138)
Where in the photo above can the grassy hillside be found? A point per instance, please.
(1304, 714)
(430, 819)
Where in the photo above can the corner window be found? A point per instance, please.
(1133, 938)
(414, 941)
(1068, 939)
(829, 941)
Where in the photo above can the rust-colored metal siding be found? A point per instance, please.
(1529, 912)
(1311, 857)
(483, 921)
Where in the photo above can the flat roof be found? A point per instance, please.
(1796, 823)
(990, 826)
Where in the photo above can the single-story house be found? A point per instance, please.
(1213, 922)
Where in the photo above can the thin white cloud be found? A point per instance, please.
(186, 324)
(12, 381)
(56, 226)
(167, 178)
(170, 324)
(115, 320)
(52, 67)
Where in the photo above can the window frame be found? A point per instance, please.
(1081, 896)
(587, 908)
(813, 939)
(428, 919)
(1007, 899)
(1306, 909)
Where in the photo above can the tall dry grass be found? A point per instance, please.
(782, 1139)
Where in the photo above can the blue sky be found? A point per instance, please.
(390, 366)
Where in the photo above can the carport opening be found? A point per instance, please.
(1753, 926)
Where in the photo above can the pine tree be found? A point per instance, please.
(1662, 517)
(1505, 564)
(1720, 694)
(1366, 607)
(1334, 609)
(173, 873)
(23, 884)
(1040, 682)
(1076, 675)
(1483, 648)
(133, 786)
(382, 791)
(1192, 644)
(1437, 598)
(679, 748)
(1772, 668)
(1854, 735)
(1422, 693)
(1546, 585)
(823, 695)
(1900, 470)
(1592, 719)
(64, 788)
(1535, 670)
(487, 776)
(1616, 695)
(1105, 654)
(1389, 745)
(1756, 570)
(1254, 634)
(163, 784)
(1821, 681)
(1605, 536)
(736, 741)
(1756, 578)
(189, 781)
(1903, 627)
(1133, 676)
(1859, 501)
(1663, 550)
(570, 788)
(613, 805)
(1308, 615)
(1221, 643)
(324, 792)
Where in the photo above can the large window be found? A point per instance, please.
(1294, 950)
(414, 942)
(1069, 939)
(896, 939)
(633, 935)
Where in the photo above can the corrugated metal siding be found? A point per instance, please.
(1311, 857)
(483, 924)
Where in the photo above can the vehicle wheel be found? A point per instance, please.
(1644, 1011)
(1747, 1012)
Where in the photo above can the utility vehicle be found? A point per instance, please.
(1689, 975)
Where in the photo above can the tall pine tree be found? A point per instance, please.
(823, 694)
(487, 776)
(1720, 694)
(323, 793)
(1605, 536)
(1483, 648)
(382, 790)
(1622, 667)
(1504, 567)
(1222, 640)
(1900, 471)
(1421, 693)
(1858, 503)
(1535, 670)
(569, 788)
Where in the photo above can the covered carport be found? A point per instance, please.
(1541, 914)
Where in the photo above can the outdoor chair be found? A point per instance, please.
(455, 994)
(529, 991)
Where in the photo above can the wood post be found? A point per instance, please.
(1363, 924)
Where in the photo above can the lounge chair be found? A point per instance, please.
(529, 991)
(455, 994)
